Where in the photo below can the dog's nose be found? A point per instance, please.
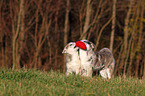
(64, 51)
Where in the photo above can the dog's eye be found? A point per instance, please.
(75, 47)
(71, 44)
(67, 47)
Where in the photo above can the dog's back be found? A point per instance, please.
(105, 59)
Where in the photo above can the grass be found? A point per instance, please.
(37, 83)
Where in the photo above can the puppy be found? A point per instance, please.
(105, 63)
(87, 58)
(72, 58)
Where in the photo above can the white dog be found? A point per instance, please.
(78, 60)
(87, 58)
(72, 58)
(105, 63)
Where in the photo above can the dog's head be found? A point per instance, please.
(89, 44)
(70, 48)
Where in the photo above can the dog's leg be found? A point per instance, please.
(68, 72)
(78, 71)
(108, 73)
(103, 73)
(112, 69)
(83, 72)
(90, 72)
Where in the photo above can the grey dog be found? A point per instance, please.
(105, 63)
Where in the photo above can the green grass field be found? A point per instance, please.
(37, 83)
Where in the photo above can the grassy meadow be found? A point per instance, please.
(37, 83)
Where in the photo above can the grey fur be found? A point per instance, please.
(105, 63)
(68, 58)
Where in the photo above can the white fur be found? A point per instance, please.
(72, 58)
(88, 58)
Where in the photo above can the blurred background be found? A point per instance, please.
(33, 33)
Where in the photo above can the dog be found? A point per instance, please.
(78, 60)
(72, 58)
(87, 58)
(105, 63)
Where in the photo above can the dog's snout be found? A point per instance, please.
(64, 51)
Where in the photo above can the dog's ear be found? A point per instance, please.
(92, 45)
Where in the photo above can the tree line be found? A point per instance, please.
(33, 33)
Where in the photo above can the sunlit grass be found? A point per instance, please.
(37, 83)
